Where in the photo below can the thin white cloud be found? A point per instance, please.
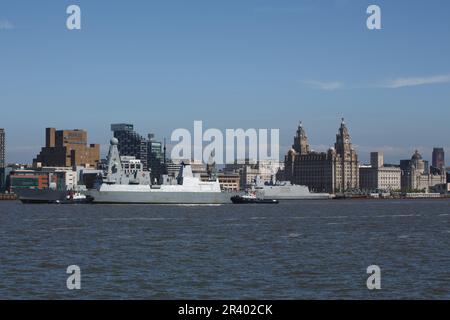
(6, 25)
(321, 85)
(416, 81)
(283, 10)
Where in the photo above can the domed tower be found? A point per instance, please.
(416, 156)
(301, 145)
(417, 162)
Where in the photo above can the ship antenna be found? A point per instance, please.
(164, 150)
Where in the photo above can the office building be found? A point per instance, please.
(377, 159)
(379, 177)
(438, 161)
(150, 152)
(156, 158)
(67, 148)
(228, 181)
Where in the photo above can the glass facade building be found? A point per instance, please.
(148, 150)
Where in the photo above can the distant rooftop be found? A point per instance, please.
(122, 127)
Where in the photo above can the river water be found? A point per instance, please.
(294, 250)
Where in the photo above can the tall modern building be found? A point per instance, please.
(131, 143)
(377, 159)
(438, 158)
(148, 150)
(2, 148)
(336, 170)
(155, 158)
(67, 148)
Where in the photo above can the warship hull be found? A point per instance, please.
(291, 192)
(155, 197)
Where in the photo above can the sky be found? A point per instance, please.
(232, 64)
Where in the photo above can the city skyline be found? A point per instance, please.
(364, 157)
(252, 64)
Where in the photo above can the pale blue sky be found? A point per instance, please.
(231, 63)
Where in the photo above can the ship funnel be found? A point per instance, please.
(185, 172)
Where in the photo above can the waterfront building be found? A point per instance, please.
(377, 159)
(156, 158)
(336, 170)
(438, 161)
(67, 148)
(266, 170)
(228, 181)
(2, 148)
(43, 178)
(417, 176)
(378, 176)
(249, 169)
(198, 167)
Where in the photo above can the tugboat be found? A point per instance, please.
(252, 198)
(75, 198)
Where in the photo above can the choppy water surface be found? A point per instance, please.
(294, 250)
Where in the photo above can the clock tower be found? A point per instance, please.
(347, 167)
(343, 143)
(301, 145)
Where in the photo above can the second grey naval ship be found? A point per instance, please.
(284, 190)
(128, 184)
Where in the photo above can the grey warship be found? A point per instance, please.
(284, 190)
(121, 186)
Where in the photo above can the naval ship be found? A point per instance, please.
(123, 185)
(284, 190)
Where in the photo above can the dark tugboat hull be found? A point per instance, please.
(242, 200)
(40, 196)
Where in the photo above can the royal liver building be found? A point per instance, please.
(333, 171)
